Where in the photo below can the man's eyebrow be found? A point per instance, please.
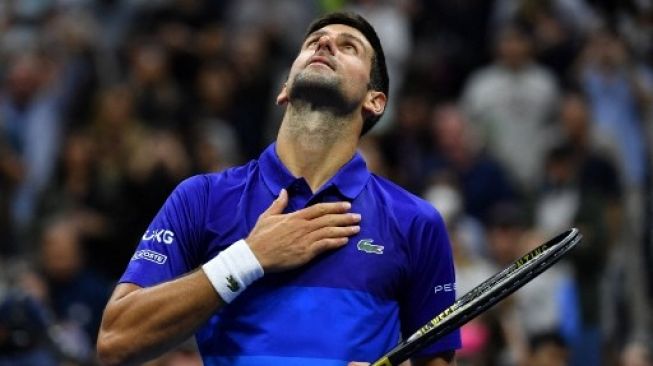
(347, 35)
(354, 38)
(317, 33)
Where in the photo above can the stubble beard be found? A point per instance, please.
(321, 92)
(314, 94)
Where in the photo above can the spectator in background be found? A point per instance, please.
(115, 135)
(558, 27)
(511, 103)
(158, 100)
(577, 14)
(610, 79)
(76, 293)
(280, 20)
(483, 180)
(549, 303)
(136, 164)
(23, 326)
(47, 77)
(175, 26)
(450, 42)
(25, 317)
(618, 97)
(579, 171)
(250, 52)
(31, 125)
(11, 173)
(564, 203)
(405, 146)
(214, 142)
(548, 349)
(470, 243)
(75, 183)
(636, 353)
(77, 193)
(636, 26)
(570, 197)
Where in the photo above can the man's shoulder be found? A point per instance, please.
(209, 188)
(232, 176)
(403, 204)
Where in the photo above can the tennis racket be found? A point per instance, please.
(484, 296)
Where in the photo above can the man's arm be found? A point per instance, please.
(141, 323)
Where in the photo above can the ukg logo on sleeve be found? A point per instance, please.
(150, 255)
(159, 235)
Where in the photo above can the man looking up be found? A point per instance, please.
(380, 259)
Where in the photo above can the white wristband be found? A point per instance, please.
(231, 271)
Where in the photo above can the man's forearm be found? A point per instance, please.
(141, 323)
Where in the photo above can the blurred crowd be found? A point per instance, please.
(517, 119)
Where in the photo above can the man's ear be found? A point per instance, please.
(375, 102)
(282, 98)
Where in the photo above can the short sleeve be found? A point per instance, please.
(431, 284)
(169, 247)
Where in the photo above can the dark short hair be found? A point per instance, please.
(537, 340)
(379, 79)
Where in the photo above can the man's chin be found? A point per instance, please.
(321, 92)
(319, 75)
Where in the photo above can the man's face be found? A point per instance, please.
(332, 69)
(550, 355)
(513, 49)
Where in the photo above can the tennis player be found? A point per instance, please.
(227, 256)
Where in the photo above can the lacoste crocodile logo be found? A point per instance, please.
(232, 284)
(366, 246)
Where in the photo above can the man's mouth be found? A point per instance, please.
(320, 60)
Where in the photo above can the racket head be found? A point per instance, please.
(485, 295)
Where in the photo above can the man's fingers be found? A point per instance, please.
(322, 209)
(358, 364)
(345, 219)
(328, 238)
(278, 205)
(328, 244)
(335, 232)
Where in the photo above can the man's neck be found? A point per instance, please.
(315, 145)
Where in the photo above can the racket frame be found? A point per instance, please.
(484, 296)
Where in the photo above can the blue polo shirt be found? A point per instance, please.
(353, 303)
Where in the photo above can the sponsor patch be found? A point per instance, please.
(159, 235)
(150, 255)
(445, 287)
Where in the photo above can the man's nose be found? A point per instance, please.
(325, 42)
